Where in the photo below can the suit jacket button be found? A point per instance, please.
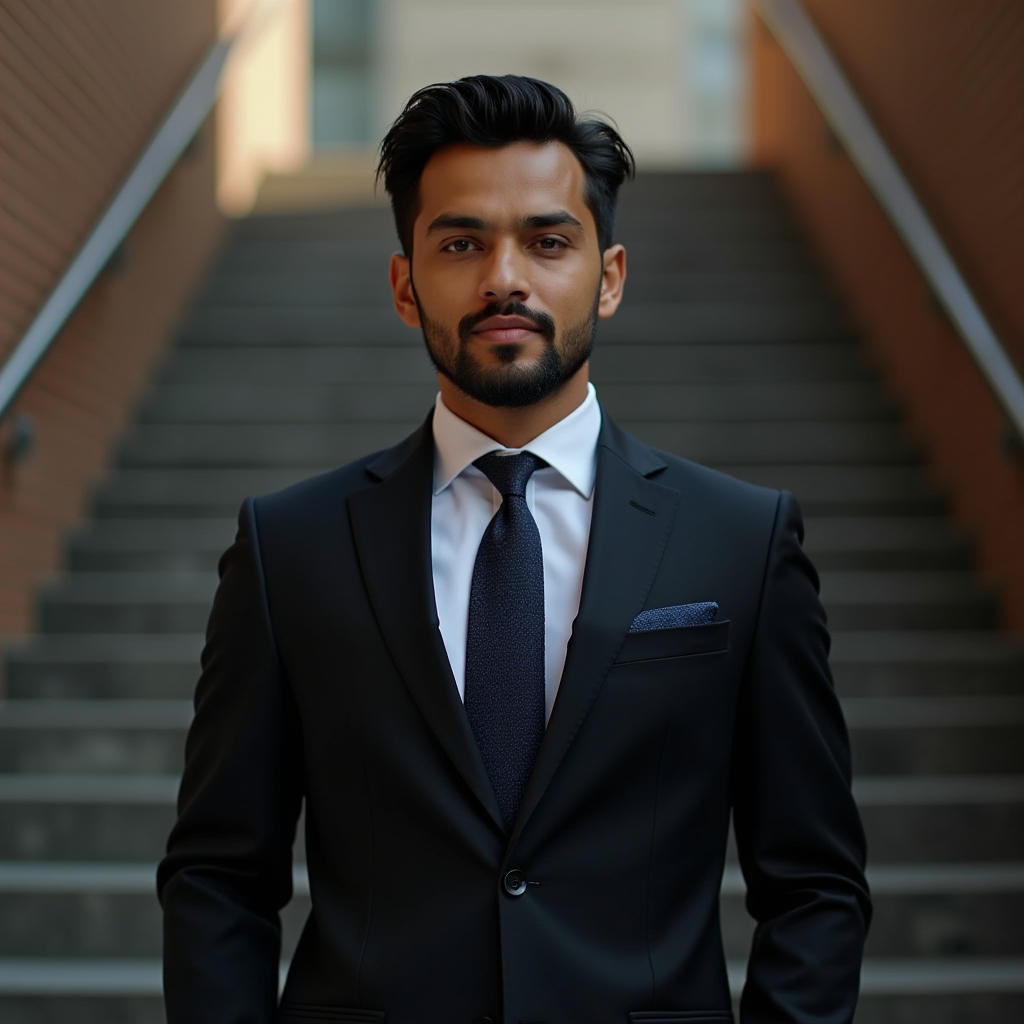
(515, 883)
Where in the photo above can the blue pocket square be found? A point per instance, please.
(699, 613)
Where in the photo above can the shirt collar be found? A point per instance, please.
(569, 447)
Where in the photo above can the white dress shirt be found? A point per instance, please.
(560, 496)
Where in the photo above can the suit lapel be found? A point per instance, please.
(391, 524)
(629, 529)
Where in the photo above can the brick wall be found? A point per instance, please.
(83, 84)
(944, 83)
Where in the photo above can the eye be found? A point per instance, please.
(460, 245)
(551, 244)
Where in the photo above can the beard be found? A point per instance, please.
(512, 383)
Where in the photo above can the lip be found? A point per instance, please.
(505, 329)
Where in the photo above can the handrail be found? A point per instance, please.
(176, 131)
(810, 55)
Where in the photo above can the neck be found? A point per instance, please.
(515, 428)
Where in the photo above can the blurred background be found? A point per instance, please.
(825, 294)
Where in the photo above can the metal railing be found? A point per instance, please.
(803, 44)
(179, 126)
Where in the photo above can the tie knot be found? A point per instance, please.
(509, 473)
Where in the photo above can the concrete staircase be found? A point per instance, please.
(730, 351)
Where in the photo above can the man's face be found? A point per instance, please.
(507, 278)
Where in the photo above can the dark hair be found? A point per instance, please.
(494, 111)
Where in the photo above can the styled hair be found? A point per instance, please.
(495, 111)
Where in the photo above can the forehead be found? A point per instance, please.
(504, 183)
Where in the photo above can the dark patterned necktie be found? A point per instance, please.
(505, 637)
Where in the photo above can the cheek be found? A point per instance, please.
(440, 294)
(570, 296)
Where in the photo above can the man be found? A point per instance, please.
(520, 668)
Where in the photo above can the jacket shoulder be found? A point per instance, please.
(714, 492)
(717, 491)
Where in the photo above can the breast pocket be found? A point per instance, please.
(679, 642)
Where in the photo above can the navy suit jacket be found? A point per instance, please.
(325, 683)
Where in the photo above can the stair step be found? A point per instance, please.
(324, 273)
(898, 976)
(911, 736)
(350, 403)
(644, 222)
(105, 976)
(964, 648)
(110, 909)
(337, 327)
(679, 323)
(78, 788)
(333, 282)
(702, 190)
(371, 223)
(90, 736)
(51, 816)
(139, 878)
(675, 253)
(235, 361)
(882, 599)
(85, 817)
(959, 712)
(206, 492)
(920, 735)
(173, 546)
(810, 362)
(127, 878)
(825, 489)
(938, 790)
(279, 445)
(192, 493)
(964, 817)
(99, 925)
(864, 663)
(300, 365)
(141, 602)
(936, 735)
(128, 602)
(104, 666)
(647, 323)
(912, 926)
(212, 404)
(884, 543)
(834, 542)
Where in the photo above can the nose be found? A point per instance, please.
(505, 275)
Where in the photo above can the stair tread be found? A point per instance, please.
(137, 877)
(138, 976)
(917, 712)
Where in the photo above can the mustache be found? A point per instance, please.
(542, 321)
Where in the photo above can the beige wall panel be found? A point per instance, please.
(618, 58)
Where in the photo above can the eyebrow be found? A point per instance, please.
(448, 221)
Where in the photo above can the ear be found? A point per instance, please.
(399, 274)
(613, 279)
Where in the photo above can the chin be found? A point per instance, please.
(508, 355)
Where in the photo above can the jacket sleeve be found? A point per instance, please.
(227, 871)
(798, 833)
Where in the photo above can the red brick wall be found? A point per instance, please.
(83, 84)
(944, 83)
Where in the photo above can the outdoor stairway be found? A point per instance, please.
(729, 350)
